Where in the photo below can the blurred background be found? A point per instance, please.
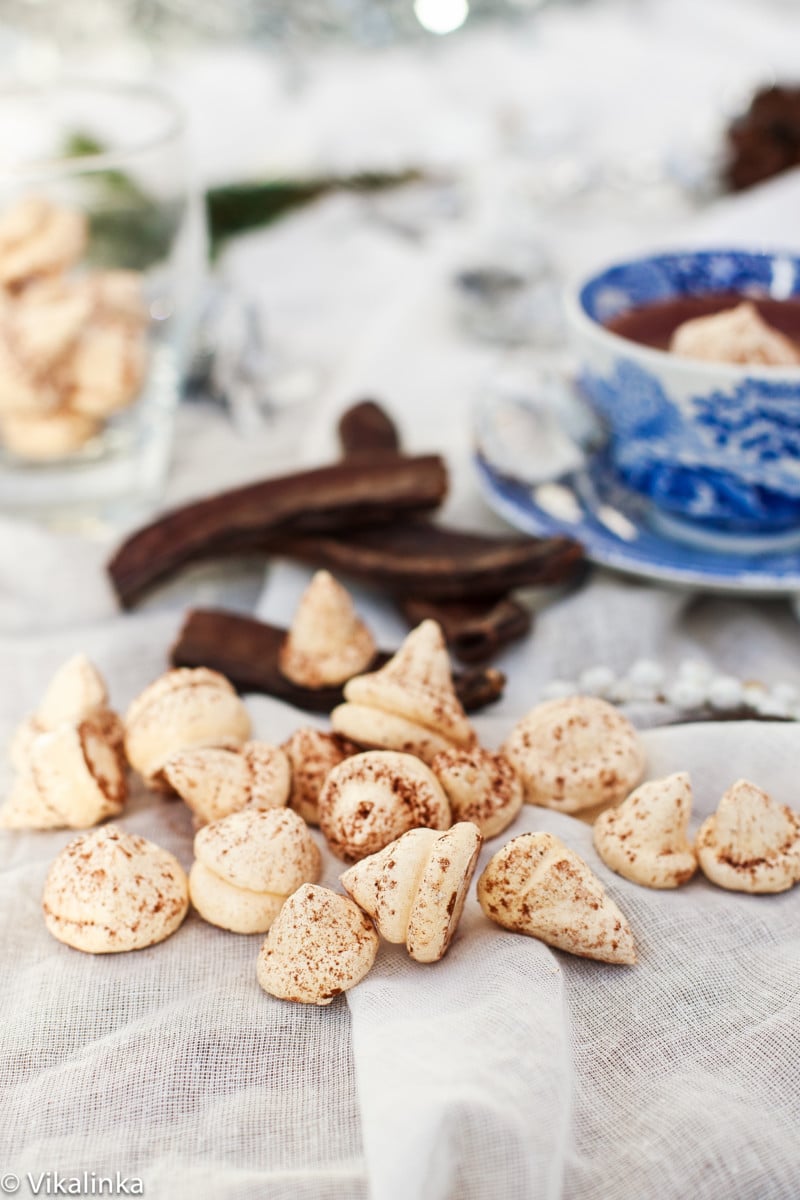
(360, 163)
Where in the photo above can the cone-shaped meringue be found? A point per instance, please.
(750, 844)
(248, 864)
(415, 888)
(537, 885)
(735, 335)
(312, 755)
(215, 783)
(482, 787)
(373, 798)
(645, 838)
(76, 693)
(72, 778)
(409, 704)
(319, 945)
(328, 643)
(111, 891)
(182, 710)
(575, 753)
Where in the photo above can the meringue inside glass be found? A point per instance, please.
(101, 258)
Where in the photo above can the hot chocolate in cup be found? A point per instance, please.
(713, 445)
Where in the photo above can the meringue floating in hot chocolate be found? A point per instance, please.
(718, 327)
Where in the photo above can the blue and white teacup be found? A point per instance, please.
(714, 446)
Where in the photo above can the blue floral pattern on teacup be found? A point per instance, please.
(728, 456)
(681, 464)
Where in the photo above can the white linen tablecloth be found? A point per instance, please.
(507, 1070)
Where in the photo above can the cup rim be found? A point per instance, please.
(667, 359)
(172, 127)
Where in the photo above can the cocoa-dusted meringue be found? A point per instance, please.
(645, 838)
(111, 891)
(537, 885)
(415, 888)
(21, 394)
(327, 643)
(76, 692)
(373, 798)
(44, 323)
(44, 437)
(72, 778)
(319, 945)
(182, 710)
(38, 238)
(409, 704)
(750, 844)
(482, 787)
(215, 783)
(736, 335)
(246, 866)
(575, 753)
(312, 755)
(73, 347)
(105, 370)
(116, 295)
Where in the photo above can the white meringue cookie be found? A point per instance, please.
(415, 888)
(482, 787)
(750, 844)
(215, 783)
(248, 864)
(575, 753)
(736, 335)
(20, 392)
(76, 692)
(105, 370)
(72, 779)
(373, 798)
(312, 756)
(44, 324)
(117, 295)
(185, 709)
(110, 891)
(39, 238)
(410, 704)
(645, 838)
(327, 643)
(319, 945)
(538, 886)
(46, 436)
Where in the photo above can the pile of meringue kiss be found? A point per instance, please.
(402, 792)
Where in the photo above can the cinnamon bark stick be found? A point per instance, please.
(339, 497)
(367, 429)
(473, 629)
(423, 561)
(246, 652)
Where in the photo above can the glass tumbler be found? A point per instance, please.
(102, 261)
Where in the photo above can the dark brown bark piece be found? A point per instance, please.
(424, 561)
(246, 652)
(473, 629)
(365, 430)
(339, 497)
